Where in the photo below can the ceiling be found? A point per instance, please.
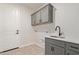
(30, 6)
(33, 6)
(24, 4)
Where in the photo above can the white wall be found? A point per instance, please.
(67, 17)
(27, 33)
(8, 26)
(15, 12)
(41, 29)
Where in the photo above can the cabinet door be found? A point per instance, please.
(70, 52)
(51, 49)
(9, 24)
(56, 50)
(36, 18)
(33, 19)
(38, 21)
(44, 14)
(48, 49)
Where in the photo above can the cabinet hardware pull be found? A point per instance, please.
(67, 53)
(52, 48)
(17, 31)
(74, 47)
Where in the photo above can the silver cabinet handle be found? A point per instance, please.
(17, 31)
(52, 48)
(67, 53)
(74, 47)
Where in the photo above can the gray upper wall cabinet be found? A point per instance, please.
(42, 16)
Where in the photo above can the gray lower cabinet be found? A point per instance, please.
(48, 49)
(51, 48)
(72, 48)
(56, 50)
(58, 47)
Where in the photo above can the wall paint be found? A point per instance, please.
(9, 23)
(67, 17)
(27, 33)
(21, 13)
(42, 29)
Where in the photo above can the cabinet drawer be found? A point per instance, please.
(55, 42)
(73, 46)
(70, 52)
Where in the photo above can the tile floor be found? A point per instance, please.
(28, 50)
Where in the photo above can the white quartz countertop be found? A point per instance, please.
(64, 39)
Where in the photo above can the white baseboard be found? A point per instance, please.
(40, 45)
(26, 45)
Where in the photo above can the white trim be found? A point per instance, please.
(41, 45)
(26, 45)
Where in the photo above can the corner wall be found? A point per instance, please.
(67, 17)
